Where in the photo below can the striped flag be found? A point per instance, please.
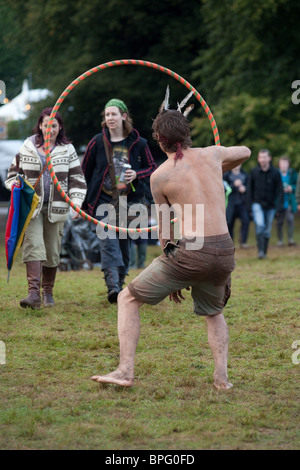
(23, 202)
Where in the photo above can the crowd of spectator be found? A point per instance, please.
(265, 194)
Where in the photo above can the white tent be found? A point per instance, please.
(15, 110)
(18, 107)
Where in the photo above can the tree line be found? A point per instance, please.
(240, 55)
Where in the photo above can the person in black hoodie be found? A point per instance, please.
(126, 147)
(264, 198)
(236, 208)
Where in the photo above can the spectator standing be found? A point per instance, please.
(126, 147)
(298, 192)
(236, 208)
(138, 253)
(42, 240)
(289, 181)
(264, 198)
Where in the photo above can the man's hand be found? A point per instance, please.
(288, 189)
(176, 296)
(237, 182)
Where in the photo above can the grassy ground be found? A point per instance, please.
(49, 402)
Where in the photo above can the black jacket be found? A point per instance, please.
(265, 188)
(236, 197)
(95, 167)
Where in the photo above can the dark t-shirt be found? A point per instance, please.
(120, 157)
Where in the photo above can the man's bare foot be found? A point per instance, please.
(221, 382)
(117, 378)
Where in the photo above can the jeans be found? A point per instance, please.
(263, 219)
(138, 253)
(289, 216)
(115, 251)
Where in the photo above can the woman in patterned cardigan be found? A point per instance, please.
(42, 240)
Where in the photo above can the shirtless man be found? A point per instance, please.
(189, 176)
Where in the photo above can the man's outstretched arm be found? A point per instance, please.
(233, 156)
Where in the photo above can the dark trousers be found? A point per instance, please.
(115, 253)
(239, 211)
(115, 248)
(287, 215)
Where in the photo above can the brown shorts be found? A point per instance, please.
(206, 270)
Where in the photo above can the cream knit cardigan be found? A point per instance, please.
(67, 168)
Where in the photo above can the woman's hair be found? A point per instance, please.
(127, 123)
(172, 131)
(61, 139)
(284, 157)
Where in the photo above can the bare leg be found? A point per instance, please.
(218, 339)
(129, 332)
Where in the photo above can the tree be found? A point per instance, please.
(12, 58)
(246, 71)
(64, 39)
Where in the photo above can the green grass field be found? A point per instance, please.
(49, 402)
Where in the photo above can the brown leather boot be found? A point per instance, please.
(33, 300)
(48, 280)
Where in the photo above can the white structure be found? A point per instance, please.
(17, 109)
(8, 150)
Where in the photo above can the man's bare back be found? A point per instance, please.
(196, 179)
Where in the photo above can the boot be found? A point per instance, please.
(260, 245)
(33, 300)
(280, 235)
(290, 230)
(266, 243)
(122, 275)
(142, 252)
(48, 280)
(111, 276)
(133, 255)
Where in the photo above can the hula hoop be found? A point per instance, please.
(72, 85)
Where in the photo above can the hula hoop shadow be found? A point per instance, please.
(72, 86)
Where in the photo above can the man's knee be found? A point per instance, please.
(125, 297)
(218, 317)
(259, 229)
